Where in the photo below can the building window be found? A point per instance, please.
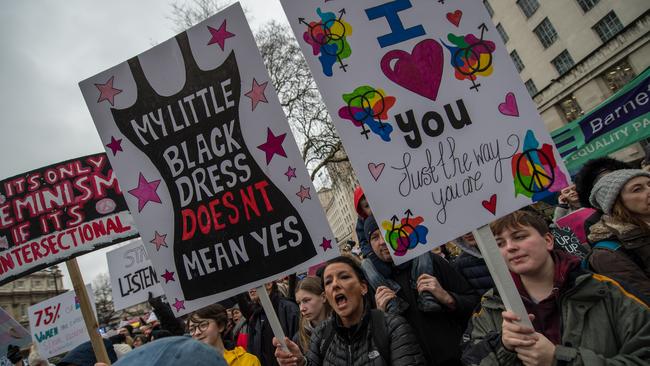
(618, 75)
(515, 58)
(530, 85)
(608, 27)
(50, 283)
(502, 33)
(529, 7)
(571, 109)
(563, 62)
(20, 284)
(488, 7)
(587, 5)
(37, 283)
(546, 33)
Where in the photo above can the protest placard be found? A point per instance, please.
(438, 126)
(59, 212)
(565, 239)
(576, 222)
(215, 181)
(132, 275)
(11, 333)
(57, 324)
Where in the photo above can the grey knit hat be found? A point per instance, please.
(605, 191)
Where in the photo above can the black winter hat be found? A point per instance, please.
(369, 226)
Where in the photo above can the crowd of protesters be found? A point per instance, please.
(440, 308)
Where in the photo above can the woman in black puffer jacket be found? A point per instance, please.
(471, 265)
(355, 334)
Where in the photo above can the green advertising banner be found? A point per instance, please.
(621, 120)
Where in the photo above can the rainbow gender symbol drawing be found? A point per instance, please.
(327, 38)
(405, 233)
(535, 172)
(368, 107)
(471, 56)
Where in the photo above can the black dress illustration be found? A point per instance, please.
(193, 284)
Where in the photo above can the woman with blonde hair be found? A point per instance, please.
(314, 308)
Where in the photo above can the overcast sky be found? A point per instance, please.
(49, 46)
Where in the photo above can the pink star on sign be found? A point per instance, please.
(159, 240)
(257, 93)
(220, 35)
(179, 304)
(303, 193)
(326, 244)
(107, 92)
(145, 192)
(168, 276)
(291, 173)
(273, 145)
(115, 145)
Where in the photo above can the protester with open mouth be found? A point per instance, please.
(207, 325)
(355, 334)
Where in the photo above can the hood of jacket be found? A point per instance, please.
(629, 235)
(358, 194)
(238, 356)
(83, 354)
(563, 263)
(469, 249)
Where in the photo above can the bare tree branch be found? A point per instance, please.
(310, 123)
(186, 14)
(103, 298)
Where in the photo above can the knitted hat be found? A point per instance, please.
(173, 351)
(369, 226)
(606, 190)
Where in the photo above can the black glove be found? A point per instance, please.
(155, 301)
(13, 354)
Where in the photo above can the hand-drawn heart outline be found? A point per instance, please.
(454, 18)
(376, 169)
(491, 205)
(509, 107)
(419, 71)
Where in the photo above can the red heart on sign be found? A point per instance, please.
(454, 18)
(491, 205)
(419, 71)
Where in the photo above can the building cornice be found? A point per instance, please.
(633, 37)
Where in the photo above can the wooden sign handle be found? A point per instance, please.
(271, 316)
(87, 311)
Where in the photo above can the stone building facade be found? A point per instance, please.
(574, 54)
(18, 295)
(338, 202)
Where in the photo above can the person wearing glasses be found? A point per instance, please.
(207, 325)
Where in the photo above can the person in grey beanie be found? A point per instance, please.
(622, 236)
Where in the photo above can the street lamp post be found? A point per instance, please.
(54, 270)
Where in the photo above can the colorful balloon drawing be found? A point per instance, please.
(405, 234)
(368, 107)
(471, 56)
(535, 172)
(327, 38)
